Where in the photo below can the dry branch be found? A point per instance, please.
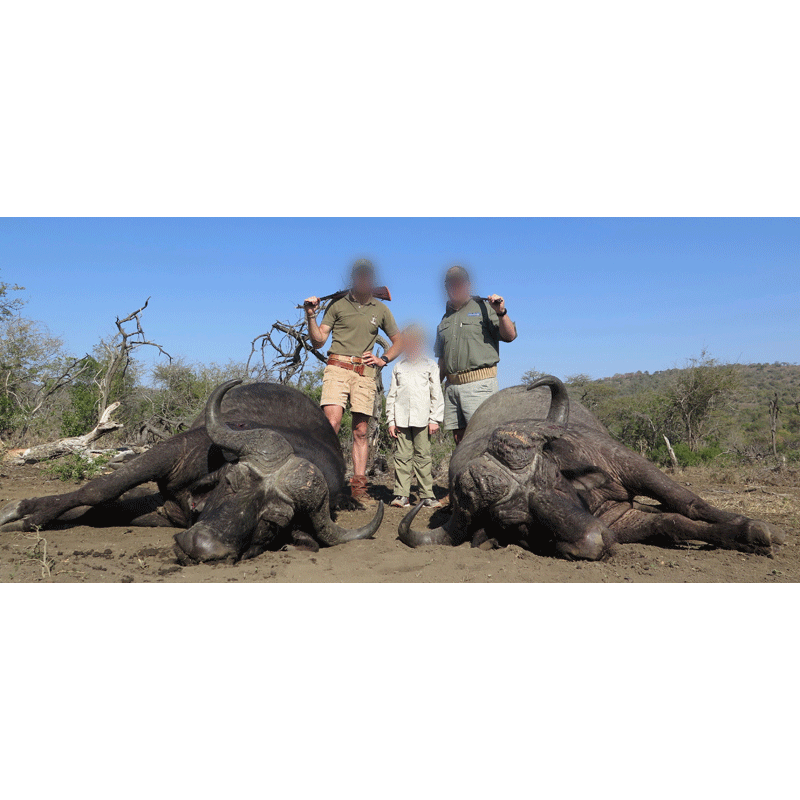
(72, 444)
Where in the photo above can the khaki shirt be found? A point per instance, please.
(354, 327)
(415, 397)
(468, 339)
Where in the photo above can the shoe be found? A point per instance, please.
(431, 503)
(445, 501)
(400, 502)
(359, 493)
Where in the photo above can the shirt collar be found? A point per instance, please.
(370, 302)
(454, 310)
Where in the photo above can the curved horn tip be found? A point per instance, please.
(228, 385)
(546, 380)
(220, 392)
(405, 525)
(558, 414)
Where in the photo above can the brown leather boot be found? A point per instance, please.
(358, 491)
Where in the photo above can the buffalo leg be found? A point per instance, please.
(137, 508)
(37, 513)
(648, 480)
(748, 536)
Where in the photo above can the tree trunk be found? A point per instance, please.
(774, 415)
(672, 457)
(74, 444)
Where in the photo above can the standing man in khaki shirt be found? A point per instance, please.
(468, 348)
(350, 374)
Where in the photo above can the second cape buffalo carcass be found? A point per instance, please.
(543, 473)
(261, 468)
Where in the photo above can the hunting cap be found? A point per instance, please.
(456, 275)
(363, 268)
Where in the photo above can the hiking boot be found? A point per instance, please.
(359, 492)
(431, 502)
(400, 502)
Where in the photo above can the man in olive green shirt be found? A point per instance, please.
(468, 348)
(350, 374)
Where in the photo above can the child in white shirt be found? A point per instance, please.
(415, 409)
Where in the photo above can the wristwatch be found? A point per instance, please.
(502, 313)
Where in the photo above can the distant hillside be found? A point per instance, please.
(758, 383)
(742, 421)
(640, 407)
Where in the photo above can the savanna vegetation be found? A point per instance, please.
(705, 411)
(708, 411)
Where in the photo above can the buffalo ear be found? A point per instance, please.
(586, 478)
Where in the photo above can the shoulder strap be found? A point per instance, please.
(484, 311)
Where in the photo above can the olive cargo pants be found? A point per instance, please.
(413, 457)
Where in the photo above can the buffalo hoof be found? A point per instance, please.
(11, 517)
(198, 544)
(759, 537)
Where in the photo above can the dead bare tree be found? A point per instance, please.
(129, 337)
(73, 444)
(284, 349)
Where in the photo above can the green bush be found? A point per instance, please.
(685, 455)
(76, 467)
(81, 415)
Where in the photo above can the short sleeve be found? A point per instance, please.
(389, 325)
(331, 315)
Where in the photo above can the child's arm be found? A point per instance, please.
(391, 401)
(437, 398)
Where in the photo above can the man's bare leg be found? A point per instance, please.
(360, 445)
(334, 415)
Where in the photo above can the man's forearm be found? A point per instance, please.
(314, 333)
(394, 351)
(507, 330)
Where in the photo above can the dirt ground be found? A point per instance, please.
(144, 555)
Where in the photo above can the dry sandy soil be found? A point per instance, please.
(141, 555)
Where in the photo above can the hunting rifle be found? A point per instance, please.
(379, 293)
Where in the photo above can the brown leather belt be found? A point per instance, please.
(352, 364)
(473, 375)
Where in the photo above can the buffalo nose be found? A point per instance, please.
(199, 543)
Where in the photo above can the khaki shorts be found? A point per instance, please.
(340, 385)
(461, 402)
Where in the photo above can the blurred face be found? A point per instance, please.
(363, 283)
(414, 344)
(459, 291)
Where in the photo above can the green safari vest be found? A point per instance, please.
(468, 339)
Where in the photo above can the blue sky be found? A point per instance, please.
(598, 296)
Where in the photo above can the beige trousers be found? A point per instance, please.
(413, 457)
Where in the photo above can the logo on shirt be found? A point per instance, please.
(474, 314)
(373, 321)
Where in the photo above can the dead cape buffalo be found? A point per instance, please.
(258, 467)
(543, 473)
